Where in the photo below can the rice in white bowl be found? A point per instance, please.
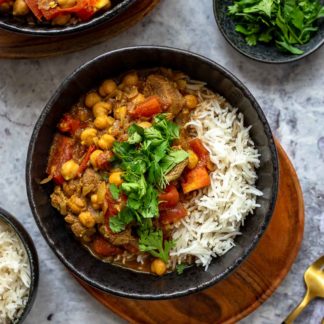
(14, 275)
(216, 213)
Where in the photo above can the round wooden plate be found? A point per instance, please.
(249, 286)
(13, 45)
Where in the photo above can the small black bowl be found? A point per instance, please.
(260, 52)
(120, 281)
(20, 26)
(32, 257)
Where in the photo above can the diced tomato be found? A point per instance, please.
(68, 124)
(104, 248)
(132, 248)
(84, 162)
(195, 179)
(113, 207)
(84, 9)
(169, 198)
(103, 159)
(198, 147)
(150, 107)
(61, 152)
(33, 6)
(173, 214)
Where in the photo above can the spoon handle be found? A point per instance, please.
(295, 313)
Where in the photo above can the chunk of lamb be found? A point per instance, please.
(90, 181)
(122, 238)
(171, 99)
(72, 187)
(59, 200)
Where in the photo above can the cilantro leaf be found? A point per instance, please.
(152, 242)
(114, 191)
(145, 159)
(118, 223)
(180, 267)
(283, 23)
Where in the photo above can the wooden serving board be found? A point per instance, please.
(249, 286)
(14, 45)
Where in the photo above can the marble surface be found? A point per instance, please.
(292, 97)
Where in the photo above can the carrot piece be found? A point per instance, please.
(86, 159)
(195, 179)
(173, 214)
(150, 107)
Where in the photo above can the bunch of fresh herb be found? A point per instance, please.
(145, 159)
(287, 23)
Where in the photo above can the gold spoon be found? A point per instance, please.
(314, 279)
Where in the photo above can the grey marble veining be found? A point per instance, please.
(292, 97)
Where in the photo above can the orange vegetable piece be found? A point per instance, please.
(150, 107)
(196, 179)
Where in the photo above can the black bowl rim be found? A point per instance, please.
(268, 61)
(248, 249)
(94, 22)
(29, 246)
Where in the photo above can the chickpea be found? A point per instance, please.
(158, 267)
(107, 88)
(103, 4)
(106, 142)
(76, 204)
(5, 7)
(102, 122)
(193, 159)
(101, 108)
(181, 84)
(87, 219)
(94, 157)
(145, 124)
(91, 99)
(20, 8)
(120, 113)
(61, 19)
(88, 135)
(66, 3)
(69, 170)
(191, 101)
(138, 99)
(94, 201)
(130, 79)
(115, 178)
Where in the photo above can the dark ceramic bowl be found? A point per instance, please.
(261, 52)
(110, 278)
(32, 257)
(20, 26)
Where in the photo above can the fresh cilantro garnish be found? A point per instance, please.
(286, 23)
(145, 159)
(114, 191)
(118, 223)
(152, 242)
(180, 267)
(105, 176)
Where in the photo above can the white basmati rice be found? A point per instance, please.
(216, 213)
(14, 275)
